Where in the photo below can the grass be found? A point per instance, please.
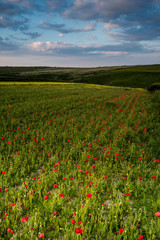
(79, 162)
(124, 76)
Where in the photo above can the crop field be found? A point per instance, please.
(78, 162)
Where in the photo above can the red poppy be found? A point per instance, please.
(128, 194)
(154, 176)
(140, 237)
(54, 212)
(12, 204)
(73, 221)
(41, 235)
(46, 197)
(61, 195)
(121, 230)
(89, 195)
(157, 214)
(79, 230)
(140, 178)
(24, 219)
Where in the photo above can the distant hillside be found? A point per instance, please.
(126, 76)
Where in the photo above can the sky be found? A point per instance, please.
(79, 33)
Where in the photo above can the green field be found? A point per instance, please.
(124, 76)
(79, 161)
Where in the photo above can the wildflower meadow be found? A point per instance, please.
(78, 162)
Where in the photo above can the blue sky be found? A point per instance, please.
(79, 33)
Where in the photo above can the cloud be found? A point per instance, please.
(6, 46)
(32, 35)
(63, 48)
(91, 37)
(15, 14)
(7, 22)
(63, 29)
(110, 26)
(106, 9)
(57, 5)
(135, 18)
(28, 4)
(60, 34)
(10, 9)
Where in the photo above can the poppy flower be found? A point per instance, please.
(61, 195)
(140, 237)
(140, 178)
(154, 176)
(79, 230)
(46, 197)
(89, 195)
(128, 194)
(24, 219)
(9, 229)
(121, 230)
(54, 212)
(41, 235)
(12, 204)
(73, 221)
(157, 214)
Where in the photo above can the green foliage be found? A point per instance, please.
(73, 152)
(154, 87)
(131, 76)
